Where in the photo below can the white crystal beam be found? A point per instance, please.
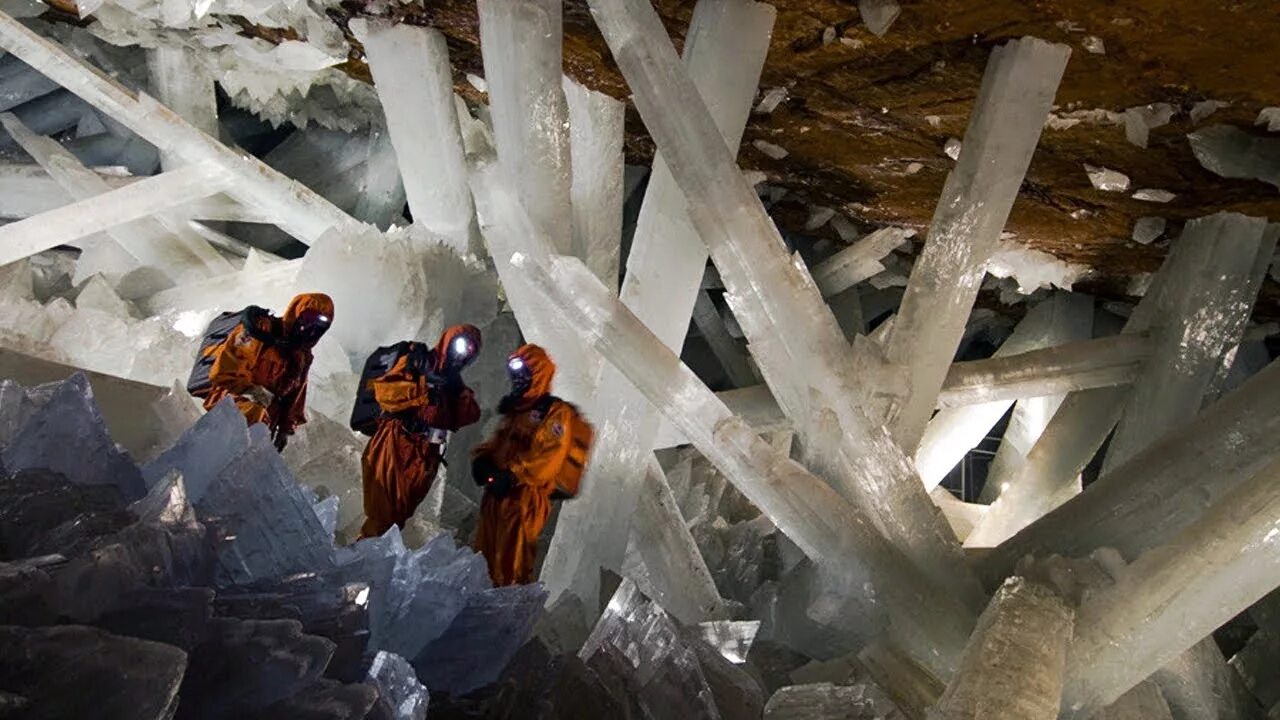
(955, 431)
(169, 246)
(794, 337)
(27, 190)
(595, 142)
(1175, 595)
(411, 71)
(1163, 489)
(184, 85)
(1056, 370)
(1197, 330)
(301, 212)
(521, 42)
(1014, 664)
(724, 51)
(102, 212)
(931, 625)
(1011, 109)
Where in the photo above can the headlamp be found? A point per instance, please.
(515, 364)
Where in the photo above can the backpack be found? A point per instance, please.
(215, 336)
(366, 411)
(581, 434)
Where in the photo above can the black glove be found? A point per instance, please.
(482, 470)
(280, 438)
(508, 402)
(500, 484)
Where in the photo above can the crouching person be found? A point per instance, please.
(262, 362)
(412, 399)
(537, 455)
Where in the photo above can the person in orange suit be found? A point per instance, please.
(520, 465)
(265, 369)
(422, 399)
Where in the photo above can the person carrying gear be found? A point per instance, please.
(422, 399)
(263, 364)
(537, 455)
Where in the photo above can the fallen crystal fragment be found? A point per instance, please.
(878, 15)
(1147, 229)
(1269, 117)
(1094, 44)
(818, 216)
(772, 98)
(952, 148)
(1033, 269)
(76, 671)
(481, 640)
(1140, 121)
(768, 149)
(828, 35)
(68, 436)
(398, 686)
(731, 638)
(1205, 108)
(1234, 153)
(1107, 180)
(477, 82)
(1152, 195)
(859, 261)
(824, 701)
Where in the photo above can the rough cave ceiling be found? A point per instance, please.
(866, 118)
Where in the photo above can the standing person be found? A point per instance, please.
(264, 361)
(421, 400)
(537, 454)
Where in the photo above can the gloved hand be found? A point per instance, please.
(508, 402)
(482, 469)
(500, 484)
(260, 395)
(280, 438)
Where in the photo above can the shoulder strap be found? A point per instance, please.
(250, 317)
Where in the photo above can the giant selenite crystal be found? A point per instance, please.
(1009, 113)
(724, 52)
(595, 142)
(796, 341)
(1013, 665)
(410, 67)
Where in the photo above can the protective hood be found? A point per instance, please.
(541, 370)
(319, 302)
(470, 332)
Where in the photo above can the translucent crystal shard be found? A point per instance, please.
(731, 638)
(1163, 489)
(595, 143)
(878, 15)
(1174, 595)
(398, 686)
(1014, 663)
(303, 213)
(521, 44)
(1234, 153)
(724, 53)
(1197, 328)
(794, 337)
(955, 431)
(859, 261)
(1013, 102)
(1054, 370)
(68, 436)
(411, 71)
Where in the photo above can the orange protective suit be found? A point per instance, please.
(244, 362)
(534, 447)
(399, 463)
